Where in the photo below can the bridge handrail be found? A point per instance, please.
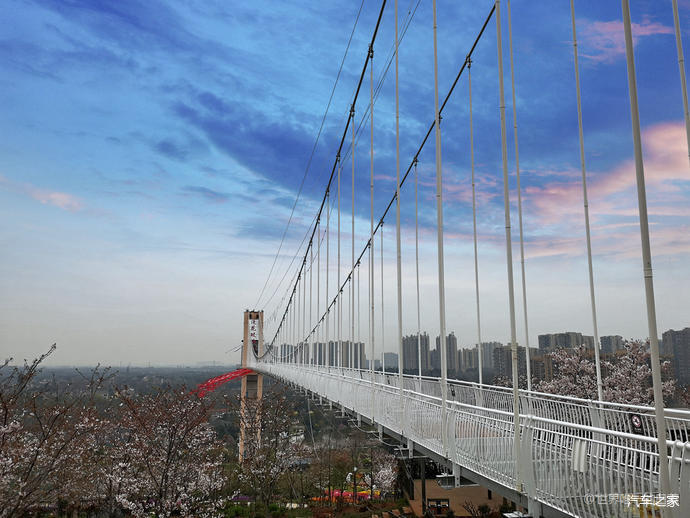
(535, 418)
(680, 414)
(564, 453)
(612, 417)
(676, 413)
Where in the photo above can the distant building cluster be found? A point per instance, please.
(463, 362)
(566, 340)
(351, 354)
(459, 360)
(412, 344)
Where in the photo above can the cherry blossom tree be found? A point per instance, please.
(44, 429)
(629, 377)
(385, 471)
(626, 378)
(84, 446)
(507, 381)
(164, 457)
(269, 448)
(574, 374)
(301, 480)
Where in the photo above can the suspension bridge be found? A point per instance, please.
(553, 455)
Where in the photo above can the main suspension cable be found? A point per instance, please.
(379, 85)
(379, 224)
(311, 156)
(349, 121)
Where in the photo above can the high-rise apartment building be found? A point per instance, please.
(435, 360)
(411, 353)
(451, 353)
(503, 361)
(611, 343)
(390, 361)
(469, 359)
(358, 358)
(488, 353)
(569, 340)
(318, 353)
(541, 366)
(679, 343)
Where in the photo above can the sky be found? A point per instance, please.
(152, 153)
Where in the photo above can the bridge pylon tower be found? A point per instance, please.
(252, 384)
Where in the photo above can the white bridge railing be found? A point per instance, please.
(578, 456)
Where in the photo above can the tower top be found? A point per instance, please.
(253, 334)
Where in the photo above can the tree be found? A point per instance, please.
(44, 431)
(301, 480)
(269, 450)
(163, 457)
(629, 378)
(574, 374)
(625, 379)
(684, 396)
(385, 471)
(507, 381)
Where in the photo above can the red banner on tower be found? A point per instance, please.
(213, 383)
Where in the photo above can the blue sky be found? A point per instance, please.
(152, 151)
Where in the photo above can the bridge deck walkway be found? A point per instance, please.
(575, 455)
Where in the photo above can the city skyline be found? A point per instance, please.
(609, 344)
(463, 361)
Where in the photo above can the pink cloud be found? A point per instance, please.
(461, 191)
(553, 209)
(558, 205)
(604, 42)
(61, 200)
(57, 199)
(457, 187)
(624, 243)
(665, 160)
